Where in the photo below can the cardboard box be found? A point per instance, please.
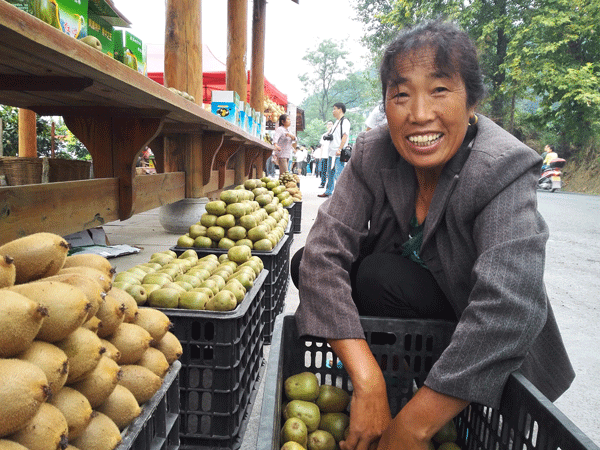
(249, 119)
(129, 49)
(69, 16)
(242, 115)
(103, 31)
(256, 123)
(106, 9)
(226, 104)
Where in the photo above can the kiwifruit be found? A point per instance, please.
(36, 256)
(132, 341)
(111, 314)
(67, 307)
(23, 388)
(100, 382)
(5, 444)
(90, 260)
(101, 278)
(121, 406)
(20, 322)
(131, 305)
(75, 407)
(93, 324)
(142, 382)
(170, 346)
(155, 322)
(100, 434)
(111, 351)
(47, 430)
(154, 360)
(8, 271)
(84, 350)
(90, 287)
(52, 360)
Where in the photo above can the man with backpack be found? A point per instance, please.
(340, 134)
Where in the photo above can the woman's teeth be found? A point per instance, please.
(424, 140)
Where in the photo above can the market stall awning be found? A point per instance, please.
(213, 76)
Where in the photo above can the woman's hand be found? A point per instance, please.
(414, 426)
(369, 417)
(369, 410)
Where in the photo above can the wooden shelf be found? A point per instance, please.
(116, 112)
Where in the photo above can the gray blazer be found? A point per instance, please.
(484, 242)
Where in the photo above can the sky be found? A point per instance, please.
(291, 31)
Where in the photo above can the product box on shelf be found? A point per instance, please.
(242, 115)
(157, 426)
(99, 28)
(276, 263)
(69, 16)
(129, 49)
(226, 104)
(107, 10)
(256, 121)
(221, 360)
(248, 119)
(406, 349)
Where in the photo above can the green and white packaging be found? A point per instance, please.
(69, 16)
(103, 31)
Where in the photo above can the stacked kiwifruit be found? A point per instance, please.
(291, 182)
(186, 281)
(76, 360)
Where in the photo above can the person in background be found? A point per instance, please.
(324, 153)
(340, 134)
(301, 155)
(376, 118)
(270, 166)
(550, 155)
(414, 229)
(282, 141)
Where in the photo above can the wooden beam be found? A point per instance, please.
(183, 47)
(72, 206)
(27, 133)
(44, 83)
(237, 24)
(257, 74)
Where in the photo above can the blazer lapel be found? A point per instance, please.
(400, 192)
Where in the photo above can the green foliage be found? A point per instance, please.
(329, 64)
(66, 145)
(312, 132)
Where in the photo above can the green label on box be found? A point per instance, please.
(103, 31)
(69, 16)
(129, 50)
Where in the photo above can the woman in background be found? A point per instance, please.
(282, 140)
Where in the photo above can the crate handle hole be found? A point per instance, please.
(381, 338)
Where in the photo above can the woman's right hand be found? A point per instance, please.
(369, 416)
(369, 410)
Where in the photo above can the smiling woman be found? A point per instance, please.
(415, 229)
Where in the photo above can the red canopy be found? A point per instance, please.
(215, 81)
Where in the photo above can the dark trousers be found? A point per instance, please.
(391, 285)
(323, 171)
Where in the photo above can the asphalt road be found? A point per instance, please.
(573, 283)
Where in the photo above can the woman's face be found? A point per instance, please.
(427, 111)
(288, 122)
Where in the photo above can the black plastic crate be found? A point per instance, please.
(206, 429)
(297, 217)
(217, 339)
(406, 351)
(157, 427)
(275, 293)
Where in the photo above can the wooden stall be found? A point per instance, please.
(115, 112)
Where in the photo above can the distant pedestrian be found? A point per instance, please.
(282, 141)
(324, 153)
(340, 134)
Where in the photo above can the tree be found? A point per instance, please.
(330, 64)
(555, 54)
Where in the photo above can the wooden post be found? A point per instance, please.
(183, 47)
(257, 74)
(27, 133)
(237, 19)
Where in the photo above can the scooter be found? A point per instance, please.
(550, 179)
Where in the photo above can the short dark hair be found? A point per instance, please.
(454, 50)
(551, 147)
(341, 106)
(282, 119)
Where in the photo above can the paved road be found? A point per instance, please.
(573, 283)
